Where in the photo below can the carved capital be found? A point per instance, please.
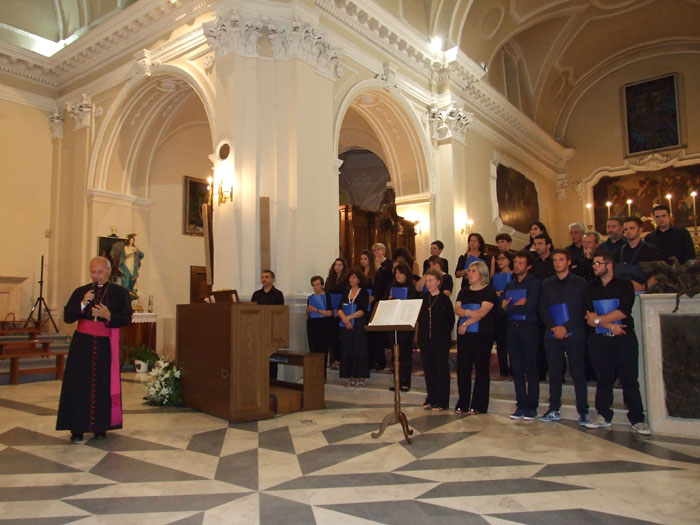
(209, 64)
(82, 111)
(560, 188)
(232, 34)
(580, 189)
(449, 123)
(301, 40)
(56, 123)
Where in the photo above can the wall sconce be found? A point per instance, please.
(467, 229)
(222, 184)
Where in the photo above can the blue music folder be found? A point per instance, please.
(470, 260)
(369, 303)
(398, 292)
(317, 301)
(500, 280)
(335, 301)
(474, 327)
(605, 306)
(560, 315)
(515, 296)
(348, 309)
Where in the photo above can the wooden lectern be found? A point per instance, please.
(223, 350)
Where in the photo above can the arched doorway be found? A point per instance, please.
(156, 141)
(382, 141)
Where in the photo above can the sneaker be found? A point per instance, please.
(583, 419)
(518, 414)
(551, 415)
(599, 422)
(530, 414)
(642, 428)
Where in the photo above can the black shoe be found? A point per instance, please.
(392, 388)
(100, 436)
(76, 438)
(405, 388)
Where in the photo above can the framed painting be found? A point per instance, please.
(517, 199)
(196, 194)
(111, 247)
(651, 113)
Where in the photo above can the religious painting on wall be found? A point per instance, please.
(651, 111)
(196, 194)
(518, 206)
(646, 190)
(111, 247)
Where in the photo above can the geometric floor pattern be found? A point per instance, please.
(186, 467)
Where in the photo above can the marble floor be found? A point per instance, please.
(180, 466)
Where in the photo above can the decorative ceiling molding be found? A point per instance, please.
(110, 197)
(119, 36)
(25, 97)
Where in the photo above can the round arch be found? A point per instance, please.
(383, 122)
(139, 91)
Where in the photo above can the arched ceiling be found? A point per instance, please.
(562, 47)
(47, 26)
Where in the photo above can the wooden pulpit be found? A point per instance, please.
(223, 350)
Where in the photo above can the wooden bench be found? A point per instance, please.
(15, 371)
(312, 390)
(19, 347)
(17, 327)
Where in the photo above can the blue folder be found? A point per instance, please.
(335, 301)
(560, 315)
(398, 292)
(369, 303)
(474, 327)
(515, 296)
(500, 280)
(348, 309)
(605, 306)
(317, 301)
(471, 259)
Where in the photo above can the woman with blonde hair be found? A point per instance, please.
(475, 307)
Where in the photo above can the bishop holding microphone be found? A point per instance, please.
(91, 391)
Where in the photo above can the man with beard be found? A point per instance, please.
(615, 240)
(613, 343)
(634, 252)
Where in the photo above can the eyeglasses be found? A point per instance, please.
(600, 263)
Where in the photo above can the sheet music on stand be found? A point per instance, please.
(396, 314)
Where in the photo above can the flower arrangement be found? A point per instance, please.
(164, 389)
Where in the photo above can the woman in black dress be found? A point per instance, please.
(536, 228)
(435, 323)
(353, 305)
(475, 307)
(403, 279)
(336, 283)
(476, 247)
(435, 262)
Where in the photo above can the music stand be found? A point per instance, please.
(397, 416)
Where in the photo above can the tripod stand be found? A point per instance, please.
(40, 301)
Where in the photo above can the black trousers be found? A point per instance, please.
(616, 354)
(436, 366)
(573, 348)
(319, 338)
(353, 354)
(376, 342)
(523, 342)
(473, 351)
(502, 345)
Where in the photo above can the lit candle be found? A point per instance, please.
(629, 206)
(669, 197)
(608, 204)
(694, 194)
(590, 214)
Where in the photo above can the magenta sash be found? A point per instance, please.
(100, 329)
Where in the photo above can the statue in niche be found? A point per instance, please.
(130, 262)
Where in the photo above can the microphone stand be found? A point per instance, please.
(41, 302)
